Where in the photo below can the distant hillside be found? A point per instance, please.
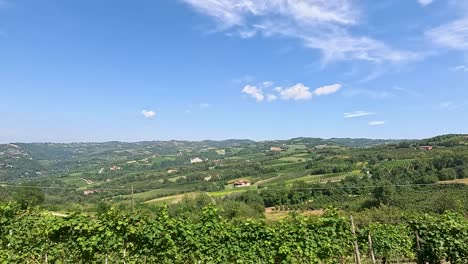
(363, 142)
(447, 140)
(158, 172)
(32, 160)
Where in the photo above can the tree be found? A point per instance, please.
(385, 193)
(4, 194)
(29, 196)
(447, 174)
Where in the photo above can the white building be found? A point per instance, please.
(196, 160)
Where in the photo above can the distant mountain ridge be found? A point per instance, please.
(31, 160)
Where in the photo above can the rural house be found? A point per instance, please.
(90, 191)
(242, 183)
(196, 160)
(426, 147)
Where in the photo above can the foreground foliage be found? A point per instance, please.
(31, 236)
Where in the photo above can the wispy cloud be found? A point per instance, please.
(382, 93)
(425, 2)
(267, 84)
(358, 113)
(205, 105)
(400, 90)
(450, 105)
(321, 25)
(446, 105)
(453, 35)
(244, 79)
(148, 113)
(462, 68)
(376, 123)
(271, 97)
(372, 93)
(192, 108)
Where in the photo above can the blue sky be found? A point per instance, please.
(215, 69)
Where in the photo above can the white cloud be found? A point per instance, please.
(462, 68)
(148, 113)
(296, 92)
(357, 114)
(324, 25)
(231, 13)
(267, 84)
(453, 35)
(425, 2)
(254, 92)
(271, 97)
(329, 89)
(376, 123)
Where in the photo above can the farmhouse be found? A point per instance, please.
(115, 168)
(171, 171)
(426, 147)
(196, 160)
(90, 191)
(276, 149)
(242, 183)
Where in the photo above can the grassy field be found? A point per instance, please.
(293, 159)
(231, 191)
(171, 199)
(147, 195)
(221, 151)
(274, 215)
(332, 177)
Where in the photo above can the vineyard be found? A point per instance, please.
(33, 236)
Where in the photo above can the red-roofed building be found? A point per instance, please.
(242, 183)
(426, 147)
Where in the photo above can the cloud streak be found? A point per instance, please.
(318, 24)
(357, 114)
(462, 68)
(453, 35)
(376, 123)
(425, 2)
